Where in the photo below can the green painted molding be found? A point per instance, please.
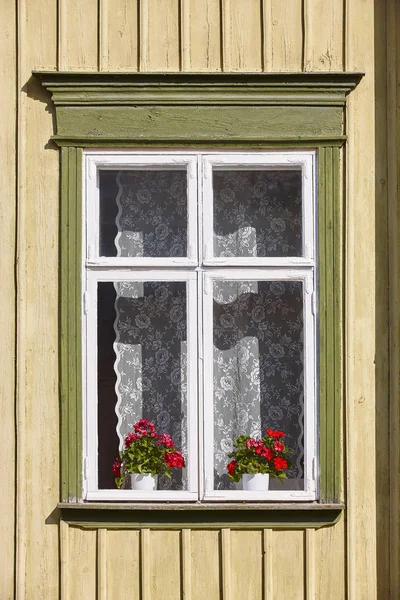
(330, 317)
(95, 109)
(70, 324)
(220, 110)
(175, 516)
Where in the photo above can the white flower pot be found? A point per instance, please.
(143, 482)
(257, 482)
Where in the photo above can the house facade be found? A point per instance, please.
(313, 79)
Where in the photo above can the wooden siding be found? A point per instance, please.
(197, 564)
(53, 560)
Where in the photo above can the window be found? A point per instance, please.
(199, 293)
(229, 121)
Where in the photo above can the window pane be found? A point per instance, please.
(257, 213)
(143, 213)
(258, 370)
(142, 367)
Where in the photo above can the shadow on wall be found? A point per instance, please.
(35, 91)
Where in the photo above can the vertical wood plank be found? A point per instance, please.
(123, 563)
(226, 553)
(185, 35)
(165, 575)
(79, 27)
(206, 565)
(267, 48)
(62, 57)
(360, 306)
(186, 552)
(37, 430)
(246, 571)
(393, 77)
(201, 35)
(323, 35)
(145, 557)
(159, 35)
(21, 317)
(82, 564)
(268, 589)
(329, 548)
(64, 561)
(103, 34)
(288, 564)
(8, 73)
(310, 565)
(286, 32)
(102, 564)
(123, 35)
(242, 47)
(382, 413)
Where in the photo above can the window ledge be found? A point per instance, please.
(176, 515)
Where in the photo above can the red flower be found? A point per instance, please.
(164, 439)
(130, 438)
(267, 453)
(279, 447)
(251, 442)
(143, 427)
(174, 459)
(116, 468)
(275, 434)
(279, 463)
(231, 467)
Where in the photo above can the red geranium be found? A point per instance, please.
(231, 467)
(143, 427)
(174, 459)
(280, 463)
(275, 434)
(130, 438)
(267, 453)
(116, 468)
(278, 446)
(147, 451)
(266, 456)
(163, 439)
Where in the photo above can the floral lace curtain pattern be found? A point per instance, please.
(151, 362)
(257, 213)
(150, 317)
(149, 216)
(258, 325)
(258, 369)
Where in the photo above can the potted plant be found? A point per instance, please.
(254, 461)
(147, 454)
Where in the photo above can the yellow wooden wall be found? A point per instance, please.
(41, 559)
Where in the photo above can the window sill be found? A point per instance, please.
(200, 515)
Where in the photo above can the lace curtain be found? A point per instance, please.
(258, 369)
(258, 325)
(257, 213)
(151, 362)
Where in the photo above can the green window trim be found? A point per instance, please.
(229, 110)
(200, 516)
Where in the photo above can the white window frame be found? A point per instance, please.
(131, 161)
(306, 276)
(198, 272)
(276, 161)
(94, 276)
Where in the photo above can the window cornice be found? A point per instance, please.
(96, 109)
